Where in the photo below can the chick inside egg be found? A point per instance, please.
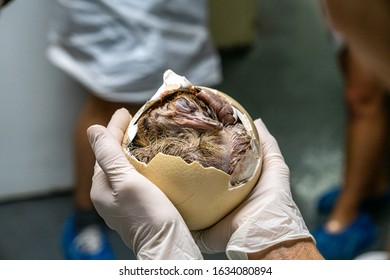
(198, 146)
(194, 124)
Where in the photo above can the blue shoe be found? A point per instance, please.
(91, 243)
(349, 243)
(328, 199)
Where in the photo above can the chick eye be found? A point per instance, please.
(185, 106)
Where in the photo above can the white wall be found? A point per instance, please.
(38, 107)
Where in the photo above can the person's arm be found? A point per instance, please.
(304, 249)
(365, 26)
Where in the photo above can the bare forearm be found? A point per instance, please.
(289, 250)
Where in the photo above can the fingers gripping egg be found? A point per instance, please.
(199, 146)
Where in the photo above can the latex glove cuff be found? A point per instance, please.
(170, 242)
(272, 225)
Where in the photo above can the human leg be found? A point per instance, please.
(84, 236)
(364, 173)
(348, 229)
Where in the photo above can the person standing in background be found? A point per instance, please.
(364, 184)
(350, 229)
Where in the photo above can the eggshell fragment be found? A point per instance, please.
(202, 195)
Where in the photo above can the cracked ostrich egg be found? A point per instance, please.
(199, 146)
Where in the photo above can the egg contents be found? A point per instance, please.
(199, 146)
(195, 129)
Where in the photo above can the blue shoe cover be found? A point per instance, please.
(327, 201)
(95, 245)
(349, 243)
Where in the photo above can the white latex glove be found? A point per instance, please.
(267, 216)
(130, 204)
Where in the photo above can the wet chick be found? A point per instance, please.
(194, 125)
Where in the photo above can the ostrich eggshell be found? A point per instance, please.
(203, 196)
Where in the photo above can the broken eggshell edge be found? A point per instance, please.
(202, 195)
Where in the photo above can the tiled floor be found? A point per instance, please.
(288, 78)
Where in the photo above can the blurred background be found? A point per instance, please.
(278, 62)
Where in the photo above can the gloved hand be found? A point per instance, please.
(268, 215)
(130, 204)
